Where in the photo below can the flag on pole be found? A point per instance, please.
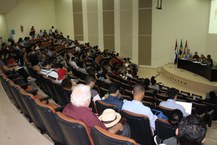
(176, 50)
(186, 48)
(181, 50)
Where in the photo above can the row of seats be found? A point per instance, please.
(152, 99)
(48, 118)
(139, 124)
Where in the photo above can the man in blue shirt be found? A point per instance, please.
(114, 93)
(137, 107)
(171, 101)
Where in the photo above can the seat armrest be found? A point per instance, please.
(33, 91)
(59, 109)
(24, 85)
(45, 98)
(13, 75)
(210, 117)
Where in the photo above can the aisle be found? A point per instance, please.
(15, 128)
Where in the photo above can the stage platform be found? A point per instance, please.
(187, 79)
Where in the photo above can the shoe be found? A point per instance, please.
(158, 140)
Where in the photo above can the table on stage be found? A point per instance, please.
(201, 69)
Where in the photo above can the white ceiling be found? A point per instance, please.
(7, 5)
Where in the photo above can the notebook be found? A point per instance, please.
(187, 106)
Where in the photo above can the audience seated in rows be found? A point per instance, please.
(171, 101)
(78, 109)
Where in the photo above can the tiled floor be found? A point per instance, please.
(16, 130)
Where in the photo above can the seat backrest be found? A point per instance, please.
(139, 126)
(101, 106)
(15, 90)
(75, 132)
(28, 100)
(199, 108)
(104, 84)
(8, 91)
(62, 99)
(161, 96)
(212, 106)
(42, 83)
(67, 93)
(48, 117)
(104, 137)
(166, 111)
(164, 129)
(128, 93)
(103, 91)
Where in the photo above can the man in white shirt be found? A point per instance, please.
(90, 81)
(171, 101)
(48, 71)
(137, 107)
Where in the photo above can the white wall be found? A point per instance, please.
(212, 46)
(3, 28)
(37, 13)
(179, 19)
(64, 17)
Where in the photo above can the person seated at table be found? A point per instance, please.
(209, 60)
(188, 55)
(202, 59)
(195, 57)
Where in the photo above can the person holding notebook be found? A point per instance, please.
(171, 101)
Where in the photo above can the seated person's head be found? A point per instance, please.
(146, 83)
(114, 90)
(191, 131)
(58, 66)
(80, 96)
(138, 92)
(46, 64)
(153, 81)
(91, 71)
(90, 81)
(110, 118)
(212, 95)
(175, 117)
(68, 83)
(172, 93)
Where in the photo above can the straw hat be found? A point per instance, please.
(110, 118)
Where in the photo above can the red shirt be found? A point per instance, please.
(61, 73)
(83, 114)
